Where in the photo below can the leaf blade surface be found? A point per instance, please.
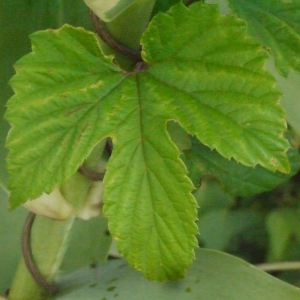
(43, 134)
(149, 201)
(230, 102)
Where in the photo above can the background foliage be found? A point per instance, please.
(261, 228)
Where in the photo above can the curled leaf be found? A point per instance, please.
(53, 206)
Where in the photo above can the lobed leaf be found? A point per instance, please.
(276, 24)
(71, 104)
(212, 68)
(55, 113)
(206, 73)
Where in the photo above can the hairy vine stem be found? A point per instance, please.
(93, 175)
(28, 259)
(110, 41)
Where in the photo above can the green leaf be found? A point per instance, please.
(53, 135)
(33, 15)
(206, 73)
(236, 179)
(91, 100)
(216, 73)
(276, 24)
(20, 18)
(213, 276)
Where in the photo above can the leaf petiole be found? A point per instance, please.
(110, 41)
